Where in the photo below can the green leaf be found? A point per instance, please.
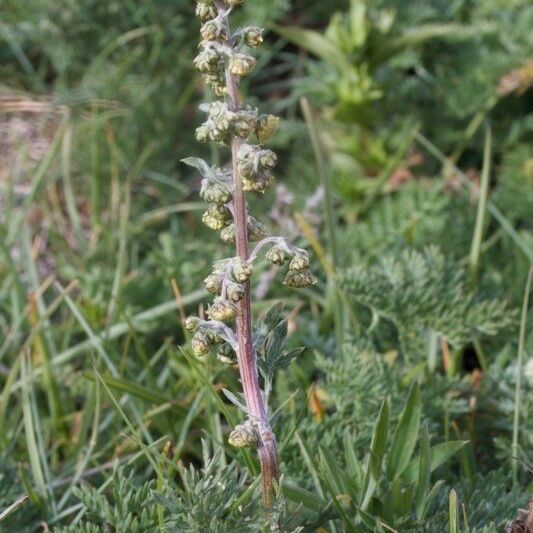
(302, 496)
(315, 43)
(129, 387)
(454, 519)
(353, 465)
(201, 165)
(332, 472)
(377, 451)
(379, 441)
(406, 435)
(423, 474)
(439, 454)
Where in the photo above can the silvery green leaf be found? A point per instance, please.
(201, 165)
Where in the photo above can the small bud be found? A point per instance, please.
(233, 3)
(267, 126)
(217, 217)
(244, 436)
(267, 159)
(256, 230)
(300, 261)
(228, 234)
(253, 36)
(235, 291)
(212, 30)
(205, 11)
(241, 64)
(298, 279)
(276, 255)
(208, 59)
(191, 323)
(215, 193)
(202, 133)
(222, 310)
(242, 271)
(200, 344)
(216, 82)
(259, 183)
(213, 284)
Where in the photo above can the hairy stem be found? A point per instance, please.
(267, 448)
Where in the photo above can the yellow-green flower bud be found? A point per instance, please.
(202, 133)
(215, 193)
(259, 183)
(244, 436)
(300, 261)
(241, 64)
(233, 3)
(205, 11)
(299, 278)
(222, 310)
(212, 30)
(256, 230)
(217, 217)
(235, 291)
(253, 36)
(242, 271)
(267, 125)
(200, 343)
(191, 323)
(228, 234)
(213, 284)
(276, 255)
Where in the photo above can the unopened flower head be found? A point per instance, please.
(222, 310)
(253, 36)
(235, 291)
(217, 217)
(213, 283)
(242, 271)
(241, 64)
(277, 255)
(215, 192)
(300, 261)
(298, 279)
(267, 126)
(191, 323)
(205, 11)
(244, 436)
(200, 343)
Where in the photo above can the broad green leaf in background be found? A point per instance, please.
(406, 435)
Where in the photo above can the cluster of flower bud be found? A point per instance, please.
(256, 231)
(298, 275)
(210, 334)
(255, 166)
(223, 122)
(228, 278)
(218, 49)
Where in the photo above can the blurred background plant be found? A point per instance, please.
(420, 170)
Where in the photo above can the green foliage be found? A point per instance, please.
(420, 291)
(389, 486)
(128, 507)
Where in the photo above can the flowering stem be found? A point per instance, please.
(267, 448)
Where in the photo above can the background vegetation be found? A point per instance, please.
(408, 169)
